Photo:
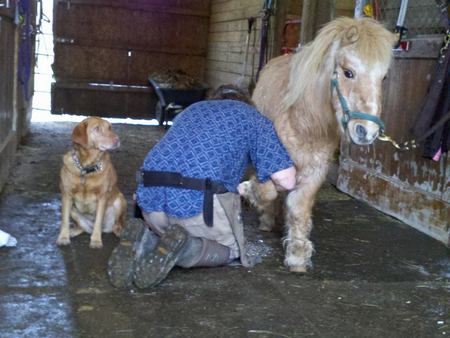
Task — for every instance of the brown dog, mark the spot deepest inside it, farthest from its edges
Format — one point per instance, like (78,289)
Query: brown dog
(88,184)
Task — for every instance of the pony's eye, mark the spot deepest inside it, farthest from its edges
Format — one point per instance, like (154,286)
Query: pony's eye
(348,73)
(96,128)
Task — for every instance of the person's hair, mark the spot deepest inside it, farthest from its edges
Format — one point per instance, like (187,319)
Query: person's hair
(231,92)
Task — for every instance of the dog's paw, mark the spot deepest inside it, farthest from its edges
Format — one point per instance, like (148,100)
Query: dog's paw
(63,240)
(96,244)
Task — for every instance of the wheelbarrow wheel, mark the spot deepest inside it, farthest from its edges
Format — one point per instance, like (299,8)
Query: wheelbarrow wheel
(160,113)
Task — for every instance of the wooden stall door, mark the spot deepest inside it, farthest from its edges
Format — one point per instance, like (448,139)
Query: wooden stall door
(106,49)
(8,83)
(402,183)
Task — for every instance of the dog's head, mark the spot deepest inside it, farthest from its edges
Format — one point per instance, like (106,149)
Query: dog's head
(95,133)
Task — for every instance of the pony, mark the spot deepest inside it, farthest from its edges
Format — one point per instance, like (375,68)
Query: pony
(330,89)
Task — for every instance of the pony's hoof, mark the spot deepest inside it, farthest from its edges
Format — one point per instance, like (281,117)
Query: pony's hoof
(266,227)
(298,269)
(244,189)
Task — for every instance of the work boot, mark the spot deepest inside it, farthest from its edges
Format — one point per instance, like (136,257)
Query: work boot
(176,247)
(153,266)
(122,261)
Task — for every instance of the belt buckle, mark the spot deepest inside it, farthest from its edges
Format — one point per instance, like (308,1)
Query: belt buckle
(179,179)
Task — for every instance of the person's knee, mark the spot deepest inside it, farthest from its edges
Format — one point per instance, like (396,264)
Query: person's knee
(157,221)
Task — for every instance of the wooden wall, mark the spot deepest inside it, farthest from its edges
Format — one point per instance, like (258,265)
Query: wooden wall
(119,43)
(15,109)
(228,34)
(402,184)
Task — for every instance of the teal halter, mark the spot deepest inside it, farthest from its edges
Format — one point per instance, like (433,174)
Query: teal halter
(349,115)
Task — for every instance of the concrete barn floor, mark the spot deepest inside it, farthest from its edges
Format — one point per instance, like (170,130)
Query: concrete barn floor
(373,276)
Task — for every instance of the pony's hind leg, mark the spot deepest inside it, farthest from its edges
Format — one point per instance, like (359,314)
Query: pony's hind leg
(262,196)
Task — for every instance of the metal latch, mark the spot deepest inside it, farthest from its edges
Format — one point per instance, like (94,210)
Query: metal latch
(6,4)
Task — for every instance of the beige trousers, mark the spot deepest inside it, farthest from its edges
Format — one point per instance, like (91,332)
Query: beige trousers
(221,231)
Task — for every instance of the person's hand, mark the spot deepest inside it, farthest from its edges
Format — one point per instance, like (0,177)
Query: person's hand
(284,179)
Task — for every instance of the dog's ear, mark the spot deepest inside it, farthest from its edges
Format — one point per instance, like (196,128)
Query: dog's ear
(79,134)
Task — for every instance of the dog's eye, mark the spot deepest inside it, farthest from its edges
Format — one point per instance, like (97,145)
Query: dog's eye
(348,74)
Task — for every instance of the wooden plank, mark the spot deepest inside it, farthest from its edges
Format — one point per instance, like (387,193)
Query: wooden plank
(14,108)
(421,48)
(236,14)
(90,64)
(130,29)
(234,26)
(227,67)
(236,37)
(421,210)
(96,64)
(7,68)
(216,78)
(7,151)
(344,8)
(185,7)
(88,100)
(232,57)
(446,179)
(233,47)
(178,50)
(234,5)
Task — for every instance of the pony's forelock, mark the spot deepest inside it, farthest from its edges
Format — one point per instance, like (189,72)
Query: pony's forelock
(370,40)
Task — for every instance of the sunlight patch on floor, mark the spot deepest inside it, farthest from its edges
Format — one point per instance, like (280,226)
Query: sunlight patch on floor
(47,116)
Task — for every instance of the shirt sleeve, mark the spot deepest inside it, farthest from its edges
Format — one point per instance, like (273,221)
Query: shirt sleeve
(267,153)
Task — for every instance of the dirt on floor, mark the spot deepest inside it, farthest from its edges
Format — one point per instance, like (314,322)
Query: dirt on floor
(373,276)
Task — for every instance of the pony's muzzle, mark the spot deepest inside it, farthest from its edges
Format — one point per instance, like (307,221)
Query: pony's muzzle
(363,132)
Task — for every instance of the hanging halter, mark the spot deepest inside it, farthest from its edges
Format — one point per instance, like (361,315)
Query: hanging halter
(350,115)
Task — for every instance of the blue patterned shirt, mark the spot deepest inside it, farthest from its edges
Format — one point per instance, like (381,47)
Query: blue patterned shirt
(216,140)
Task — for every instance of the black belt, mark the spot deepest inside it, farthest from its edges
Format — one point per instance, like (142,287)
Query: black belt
(176,180)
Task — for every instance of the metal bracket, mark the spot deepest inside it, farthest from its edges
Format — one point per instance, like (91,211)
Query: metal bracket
(6,4)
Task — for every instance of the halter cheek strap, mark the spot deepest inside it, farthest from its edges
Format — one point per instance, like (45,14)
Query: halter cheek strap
(348,114)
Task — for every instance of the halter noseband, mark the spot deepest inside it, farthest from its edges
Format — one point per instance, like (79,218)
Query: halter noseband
(348,114)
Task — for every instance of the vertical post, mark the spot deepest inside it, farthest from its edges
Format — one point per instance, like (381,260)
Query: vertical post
(308,21)
(279,18)
(315,14)
(359,8)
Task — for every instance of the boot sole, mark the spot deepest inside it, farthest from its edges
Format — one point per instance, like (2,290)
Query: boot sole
(122,261)
(152,267)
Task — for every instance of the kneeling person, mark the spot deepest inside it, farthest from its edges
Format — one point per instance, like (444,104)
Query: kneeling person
(188,194)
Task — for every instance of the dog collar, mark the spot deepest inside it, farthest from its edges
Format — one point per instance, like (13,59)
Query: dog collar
(98,166)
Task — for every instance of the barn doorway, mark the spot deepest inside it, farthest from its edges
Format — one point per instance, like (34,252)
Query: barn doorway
(44,76)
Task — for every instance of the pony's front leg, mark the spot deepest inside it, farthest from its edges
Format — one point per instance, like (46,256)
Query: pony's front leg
(299,248)
(262,196)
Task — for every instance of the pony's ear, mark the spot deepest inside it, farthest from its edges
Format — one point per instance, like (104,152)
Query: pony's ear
(351,35)
(79,134)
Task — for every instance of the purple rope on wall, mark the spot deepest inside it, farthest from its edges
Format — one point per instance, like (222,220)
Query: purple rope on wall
(23,13)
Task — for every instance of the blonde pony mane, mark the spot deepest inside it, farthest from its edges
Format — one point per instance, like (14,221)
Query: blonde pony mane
(312,67)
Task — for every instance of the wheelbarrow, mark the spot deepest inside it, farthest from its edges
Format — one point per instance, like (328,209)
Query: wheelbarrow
(172,101)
